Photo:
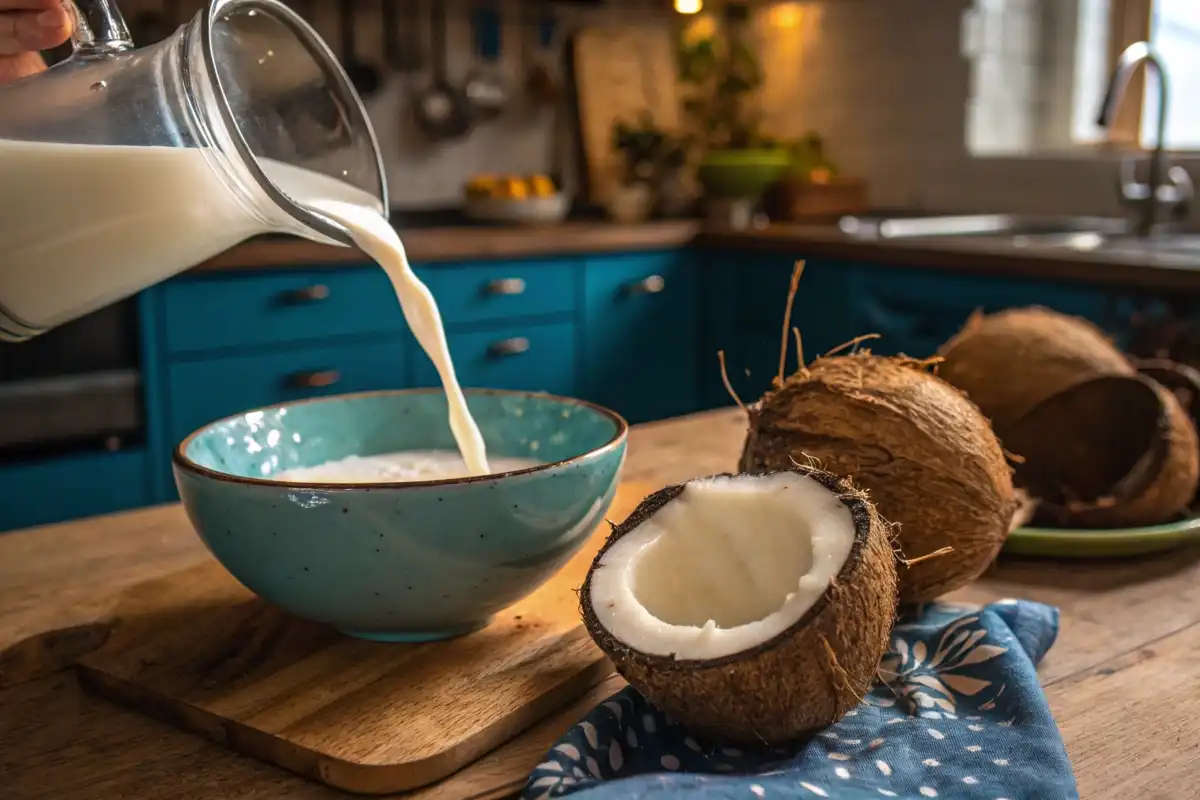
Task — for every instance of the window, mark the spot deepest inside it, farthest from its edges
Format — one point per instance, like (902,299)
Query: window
(1107,27)
(1175,33)
(1039,71)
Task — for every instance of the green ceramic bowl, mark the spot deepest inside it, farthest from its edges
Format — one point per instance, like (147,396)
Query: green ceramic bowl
(400,561)
(742,174)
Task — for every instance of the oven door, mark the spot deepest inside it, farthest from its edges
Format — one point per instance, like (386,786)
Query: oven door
(75,387)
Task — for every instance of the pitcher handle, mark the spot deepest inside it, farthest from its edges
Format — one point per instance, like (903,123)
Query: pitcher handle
(99,28)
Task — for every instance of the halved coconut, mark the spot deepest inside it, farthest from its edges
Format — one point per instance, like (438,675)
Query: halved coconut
(1181,380)
(751,608)
(1008,362)
(1112,452)
(928,458)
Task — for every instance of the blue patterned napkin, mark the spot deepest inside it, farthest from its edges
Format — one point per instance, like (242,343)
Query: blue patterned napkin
(963,717)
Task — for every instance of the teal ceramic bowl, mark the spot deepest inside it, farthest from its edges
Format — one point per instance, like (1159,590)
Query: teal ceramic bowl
(400,561)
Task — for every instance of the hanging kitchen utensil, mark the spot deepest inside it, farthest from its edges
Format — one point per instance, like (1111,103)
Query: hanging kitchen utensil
(442,110)
(363,76)
(541,82)
(485,86)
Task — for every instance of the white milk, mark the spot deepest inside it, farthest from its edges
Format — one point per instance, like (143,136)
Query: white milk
(82,226)
(407,465)
(376,237)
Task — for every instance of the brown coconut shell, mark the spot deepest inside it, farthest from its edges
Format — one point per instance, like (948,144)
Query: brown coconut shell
(788,687)
(1010,361)
(1183,381)
(923,451)
(1112,452)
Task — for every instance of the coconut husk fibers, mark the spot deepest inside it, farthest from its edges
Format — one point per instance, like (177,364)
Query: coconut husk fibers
(788,687)
(1008,362)
(924,453)
(1112,452)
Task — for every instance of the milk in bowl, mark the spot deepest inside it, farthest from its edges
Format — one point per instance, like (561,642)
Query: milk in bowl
(359,511)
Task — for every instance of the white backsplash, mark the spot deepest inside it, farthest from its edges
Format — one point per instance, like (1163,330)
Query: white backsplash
(886,82)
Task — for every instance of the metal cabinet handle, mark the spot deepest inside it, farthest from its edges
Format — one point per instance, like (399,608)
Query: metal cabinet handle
(649,285)
(506,286)
(309,294)
(316,379)
(509,347)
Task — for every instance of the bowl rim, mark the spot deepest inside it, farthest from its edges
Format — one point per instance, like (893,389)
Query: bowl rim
(181,461)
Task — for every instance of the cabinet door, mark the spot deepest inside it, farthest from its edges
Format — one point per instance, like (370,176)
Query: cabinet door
(502,290)
(743,306)
(641,334)
(199,392)
(527,356)
(69,487)
(914,311)
(224,311)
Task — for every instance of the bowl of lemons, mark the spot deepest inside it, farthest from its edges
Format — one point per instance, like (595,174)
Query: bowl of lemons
(515,199)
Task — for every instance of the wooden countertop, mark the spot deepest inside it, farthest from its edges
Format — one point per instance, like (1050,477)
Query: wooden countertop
(974,254)
(432,245)
(1120,679)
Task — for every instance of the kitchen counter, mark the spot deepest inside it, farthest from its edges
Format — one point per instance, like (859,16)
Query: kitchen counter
(997,255)
(466,243)
(1120,679)
(971,254)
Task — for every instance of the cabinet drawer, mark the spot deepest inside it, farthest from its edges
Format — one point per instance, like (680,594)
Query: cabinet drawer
(236,310)
(641,337)
(200,392)
(538,357)
(480,292)
(70,487)
(916,311)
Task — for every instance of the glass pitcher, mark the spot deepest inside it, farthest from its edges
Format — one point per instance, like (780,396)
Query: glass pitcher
(122,167)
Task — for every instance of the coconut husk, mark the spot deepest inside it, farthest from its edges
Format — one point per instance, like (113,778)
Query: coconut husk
(1112,452)
(1010,361)
(1182,381)
(794,684)
(924,453)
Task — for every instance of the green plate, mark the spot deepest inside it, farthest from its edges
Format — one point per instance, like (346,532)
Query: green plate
(1081,543)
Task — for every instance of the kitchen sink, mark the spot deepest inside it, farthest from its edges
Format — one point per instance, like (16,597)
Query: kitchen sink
(990,225)
(1100,235)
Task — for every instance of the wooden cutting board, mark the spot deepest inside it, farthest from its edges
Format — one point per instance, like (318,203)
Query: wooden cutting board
(621,72)
(200,651)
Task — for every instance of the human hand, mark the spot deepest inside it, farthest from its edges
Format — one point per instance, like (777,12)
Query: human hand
(26,28)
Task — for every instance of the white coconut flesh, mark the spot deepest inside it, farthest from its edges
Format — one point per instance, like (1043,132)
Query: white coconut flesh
(728,564)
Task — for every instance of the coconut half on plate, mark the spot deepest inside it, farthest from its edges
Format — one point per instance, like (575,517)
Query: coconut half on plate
(750,608)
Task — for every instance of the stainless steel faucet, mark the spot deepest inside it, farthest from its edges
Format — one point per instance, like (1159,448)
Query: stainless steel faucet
(1170,188)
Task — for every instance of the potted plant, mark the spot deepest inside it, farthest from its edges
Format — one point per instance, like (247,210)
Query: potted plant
(654,159)
(720,72)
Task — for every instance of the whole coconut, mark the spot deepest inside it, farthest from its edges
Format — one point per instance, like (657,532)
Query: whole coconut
(1010,361)
(925,454)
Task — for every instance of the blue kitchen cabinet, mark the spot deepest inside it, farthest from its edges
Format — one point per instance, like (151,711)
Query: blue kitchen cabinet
(915,310)
(473,293)
(236,310)
(641,333)
(745,298)
(81,485)
(529,356)
(204,390)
